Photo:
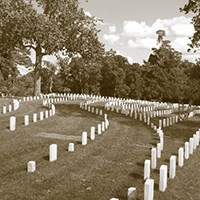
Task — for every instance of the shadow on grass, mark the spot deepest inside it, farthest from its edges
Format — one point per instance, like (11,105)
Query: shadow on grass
(122,197)
(65,110)
(156,171)
(153,143)
(156,186)
(140,164)
(46,157)
(136,175)
(166,160)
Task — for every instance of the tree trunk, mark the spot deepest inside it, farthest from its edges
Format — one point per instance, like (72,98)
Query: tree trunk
(51,84)
(37,71)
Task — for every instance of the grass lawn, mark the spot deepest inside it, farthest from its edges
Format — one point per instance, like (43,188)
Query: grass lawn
(103,169)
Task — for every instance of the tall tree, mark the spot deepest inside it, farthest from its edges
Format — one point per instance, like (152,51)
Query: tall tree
(59,26)
(113,82)
(161,73)
(84,76)
(134,80)
(193,6)
(48,76)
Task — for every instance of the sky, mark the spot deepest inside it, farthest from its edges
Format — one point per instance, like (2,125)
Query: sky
(129,26)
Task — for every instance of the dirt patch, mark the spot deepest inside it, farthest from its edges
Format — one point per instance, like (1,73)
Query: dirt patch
(59,136)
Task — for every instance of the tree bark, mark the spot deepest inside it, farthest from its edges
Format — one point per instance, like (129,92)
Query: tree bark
(37,71)
(51,84)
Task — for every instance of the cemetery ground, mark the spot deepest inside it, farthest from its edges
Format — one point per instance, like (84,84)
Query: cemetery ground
(104,168)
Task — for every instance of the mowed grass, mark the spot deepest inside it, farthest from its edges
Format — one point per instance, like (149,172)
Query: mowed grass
(102,169)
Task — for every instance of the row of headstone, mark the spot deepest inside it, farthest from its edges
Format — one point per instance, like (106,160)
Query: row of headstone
(162,123)
(6,109)
(43,114)
(101,127)
(53,154)
(183,153)
(131,107)
(31,166)
(132,192)
(31,98)
(14,106)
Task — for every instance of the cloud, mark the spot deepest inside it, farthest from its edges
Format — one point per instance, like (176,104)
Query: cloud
(177,26)
(140,37)
(147,43)
(191,57)
(111,38)
(112,29)
(180,44)
(133,28)
(182,29)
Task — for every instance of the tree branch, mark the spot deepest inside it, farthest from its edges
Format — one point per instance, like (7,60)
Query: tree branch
(29,46)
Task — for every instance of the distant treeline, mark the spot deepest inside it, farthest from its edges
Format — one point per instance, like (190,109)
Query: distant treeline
(163,77)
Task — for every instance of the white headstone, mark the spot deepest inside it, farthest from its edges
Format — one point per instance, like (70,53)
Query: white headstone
(187,150)
(53,152)
(148,121)
(71,147)
(84,138)
(162,143)
(147,169)
(172,167)
(41,115)
(198,137)
(16,104)
(53,109)
(149,189)
(164,122)
(9,108)
(92,133)
(99,129)
(163,178)
(140,116)
(191,142)
(105,116)
(180,157)
(106,124)
(100,112)
(132,193)
(103,126)
(35,117)
(4,109)
(153,158)
(50,113)
(46,114)
(160,123)
(12,123)
(26,120)
(31,166)
(158,150)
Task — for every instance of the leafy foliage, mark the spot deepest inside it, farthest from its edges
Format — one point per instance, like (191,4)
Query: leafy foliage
(193,6)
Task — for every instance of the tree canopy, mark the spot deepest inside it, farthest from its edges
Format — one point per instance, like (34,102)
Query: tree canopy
(60,26)
(193,6)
